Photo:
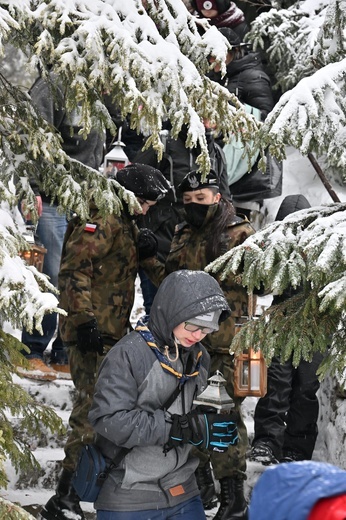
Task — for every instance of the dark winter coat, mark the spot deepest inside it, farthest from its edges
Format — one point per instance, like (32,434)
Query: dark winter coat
(51,106)
(131,389)
(188,251)
(245,77)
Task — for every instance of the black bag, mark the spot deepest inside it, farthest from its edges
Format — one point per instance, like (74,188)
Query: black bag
(258,185)
(91,472)
(92,468)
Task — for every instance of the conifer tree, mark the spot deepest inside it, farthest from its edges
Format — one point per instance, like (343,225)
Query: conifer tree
(152,61)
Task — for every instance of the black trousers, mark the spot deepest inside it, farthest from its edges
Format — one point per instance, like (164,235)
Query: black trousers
(286,417)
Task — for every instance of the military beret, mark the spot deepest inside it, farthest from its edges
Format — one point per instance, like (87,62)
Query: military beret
(193,181)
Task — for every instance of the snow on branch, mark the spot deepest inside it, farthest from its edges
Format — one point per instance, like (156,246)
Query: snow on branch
(305,256)
(312,116)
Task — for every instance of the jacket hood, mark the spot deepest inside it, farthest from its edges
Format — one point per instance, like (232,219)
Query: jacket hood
(181,296)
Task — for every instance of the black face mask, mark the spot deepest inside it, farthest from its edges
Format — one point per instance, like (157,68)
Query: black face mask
(195,214)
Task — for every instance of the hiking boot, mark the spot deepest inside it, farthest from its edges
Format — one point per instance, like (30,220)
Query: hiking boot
(233,505)
(262,452)
(64,505)
(206,486)
(62,370)
(292,456)
(37,369)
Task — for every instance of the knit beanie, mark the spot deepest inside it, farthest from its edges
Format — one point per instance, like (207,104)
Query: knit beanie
(144,181)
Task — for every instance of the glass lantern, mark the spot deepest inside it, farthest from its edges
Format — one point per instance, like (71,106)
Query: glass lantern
(34,255)
(116,158)
(250,369)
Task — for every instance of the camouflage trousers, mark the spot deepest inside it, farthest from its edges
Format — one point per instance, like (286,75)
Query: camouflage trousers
(232,463)
(84,369)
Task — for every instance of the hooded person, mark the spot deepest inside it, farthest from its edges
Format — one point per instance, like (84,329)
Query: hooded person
(99,265)
(210,229)
(137,377)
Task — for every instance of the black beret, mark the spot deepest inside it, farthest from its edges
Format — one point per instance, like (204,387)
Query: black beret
(193,181)
(144,181)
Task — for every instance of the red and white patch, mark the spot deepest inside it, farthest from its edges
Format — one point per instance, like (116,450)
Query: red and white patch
(91,228)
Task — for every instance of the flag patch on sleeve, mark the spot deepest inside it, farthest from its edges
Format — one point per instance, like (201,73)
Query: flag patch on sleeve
(91,228)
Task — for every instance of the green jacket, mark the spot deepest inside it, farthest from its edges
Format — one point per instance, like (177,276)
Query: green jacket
(98,269)
(188,251)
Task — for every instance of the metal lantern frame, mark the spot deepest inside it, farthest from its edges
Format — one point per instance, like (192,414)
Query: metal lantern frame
(34,256)
(250,368)
(116,158)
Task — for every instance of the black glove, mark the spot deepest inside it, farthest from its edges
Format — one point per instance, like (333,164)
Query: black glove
(185,429)
(89,338)
(208,430)
(147,244)
(221,430)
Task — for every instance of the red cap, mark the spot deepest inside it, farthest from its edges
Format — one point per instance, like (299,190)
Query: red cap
(331,508)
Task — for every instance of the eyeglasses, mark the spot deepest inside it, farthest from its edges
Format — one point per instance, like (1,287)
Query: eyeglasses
(194,328)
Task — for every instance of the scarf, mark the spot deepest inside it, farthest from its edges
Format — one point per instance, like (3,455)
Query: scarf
(230,18)
(165,363)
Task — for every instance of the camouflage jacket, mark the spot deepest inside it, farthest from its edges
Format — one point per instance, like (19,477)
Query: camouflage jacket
(99,264)
(188,251)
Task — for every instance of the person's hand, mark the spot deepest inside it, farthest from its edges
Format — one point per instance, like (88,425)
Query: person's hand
(185,429)
(89,338)
(214,431)
(221,430)
(147,244)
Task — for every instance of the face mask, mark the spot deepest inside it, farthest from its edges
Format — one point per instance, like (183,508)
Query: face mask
(195,214)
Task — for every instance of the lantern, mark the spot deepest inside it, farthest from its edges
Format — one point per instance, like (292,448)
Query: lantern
(250,370)
(35,254)
(116,158)
(215,395)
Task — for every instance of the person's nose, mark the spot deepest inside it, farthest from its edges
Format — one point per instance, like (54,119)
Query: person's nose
(197,334)
(145,208)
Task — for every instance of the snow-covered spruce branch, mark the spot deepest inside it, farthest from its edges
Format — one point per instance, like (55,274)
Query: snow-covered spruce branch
(304,252)
(152,63)
(288,37)
(312,116)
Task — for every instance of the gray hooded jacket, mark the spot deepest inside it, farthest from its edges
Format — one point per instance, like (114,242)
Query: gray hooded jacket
(131,390)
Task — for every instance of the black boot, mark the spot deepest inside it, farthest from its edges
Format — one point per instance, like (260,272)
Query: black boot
(233,505)
(64,502)
(206,486)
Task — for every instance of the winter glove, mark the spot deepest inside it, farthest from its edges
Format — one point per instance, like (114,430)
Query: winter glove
(147,244)
(221,430)
(185,429)
(89,338)
(207,430)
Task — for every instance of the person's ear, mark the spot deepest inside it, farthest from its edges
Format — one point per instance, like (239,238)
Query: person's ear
(217,198)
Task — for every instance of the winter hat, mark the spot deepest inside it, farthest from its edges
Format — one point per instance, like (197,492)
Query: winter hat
(144,181)
(230,36)
(331,508)
(210,320)
(220,6)
(193,181)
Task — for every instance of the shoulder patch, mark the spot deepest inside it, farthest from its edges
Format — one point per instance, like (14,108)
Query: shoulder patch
(90,228)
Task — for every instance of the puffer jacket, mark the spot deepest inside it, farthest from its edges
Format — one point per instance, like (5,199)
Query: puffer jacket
(130,391)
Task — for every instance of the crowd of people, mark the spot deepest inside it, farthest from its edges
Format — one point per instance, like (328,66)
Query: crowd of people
(124,375)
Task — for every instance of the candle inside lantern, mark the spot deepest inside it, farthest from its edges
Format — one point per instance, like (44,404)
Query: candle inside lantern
(255,370)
